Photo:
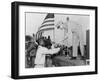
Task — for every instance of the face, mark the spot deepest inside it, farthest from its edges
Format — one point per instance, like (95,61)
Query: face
(41,42)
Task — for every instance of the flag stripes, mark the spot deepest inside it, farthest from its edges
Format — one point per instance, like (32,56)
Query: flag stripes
(47,21)
(48,24)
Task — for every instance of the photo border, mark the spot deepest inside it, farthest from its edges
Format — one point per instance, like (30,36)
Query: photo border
(15,39)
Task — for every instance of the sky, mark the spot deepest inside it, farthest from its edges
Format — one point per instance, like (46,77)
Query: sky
(34,21)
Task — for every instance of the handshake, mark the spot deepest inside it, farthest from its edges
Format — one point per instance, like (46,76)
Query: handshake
(54,46)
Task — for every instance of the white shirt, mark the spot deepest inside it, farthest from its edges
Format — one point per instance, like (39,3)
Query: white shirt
(41,52)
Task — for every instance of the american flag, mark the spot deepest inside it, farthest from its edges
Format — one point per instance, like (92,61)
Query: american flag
(48,24)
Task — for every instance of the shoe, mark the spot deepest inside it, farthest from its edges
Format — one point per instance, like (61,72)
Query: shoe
(73,58)
(83,58)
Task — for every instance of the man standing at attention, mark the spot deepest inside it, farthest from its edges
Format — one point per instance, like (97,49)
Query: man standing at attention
(74,36)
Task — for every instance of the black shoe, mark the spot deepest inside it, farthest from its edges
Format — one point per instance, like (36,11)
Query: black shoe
(83,58)
(73,58)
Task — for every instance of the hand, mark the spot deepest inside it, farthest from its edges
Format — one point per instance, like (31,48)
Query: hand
(55,45)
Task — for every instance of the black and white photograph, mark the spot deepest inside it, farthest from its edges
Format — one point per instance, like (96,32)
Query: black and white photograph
(56,40)
(51,40)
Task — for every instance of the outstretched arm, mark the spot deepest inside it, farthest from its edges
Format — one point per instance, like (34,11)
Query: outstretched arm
(52,51)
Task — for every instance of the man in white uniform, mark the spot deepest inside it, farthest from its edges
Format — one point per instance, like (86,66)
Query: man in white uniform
(74,36)
(41,53)
(67,33)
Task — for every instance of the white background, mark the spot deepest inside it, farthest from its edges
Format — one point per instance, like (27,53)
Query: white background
(5,41)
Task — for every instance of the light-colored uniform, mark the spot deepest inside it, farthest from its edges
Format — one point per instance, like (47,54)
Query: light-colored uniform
(73,35)
(40,55)
(67,35)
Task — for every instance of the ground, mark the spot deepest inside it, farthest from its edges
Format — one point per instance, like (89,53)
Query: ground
(65,61)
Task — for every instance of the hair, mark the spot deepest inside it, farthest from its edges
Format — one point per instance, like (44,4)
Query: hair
(28,38)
